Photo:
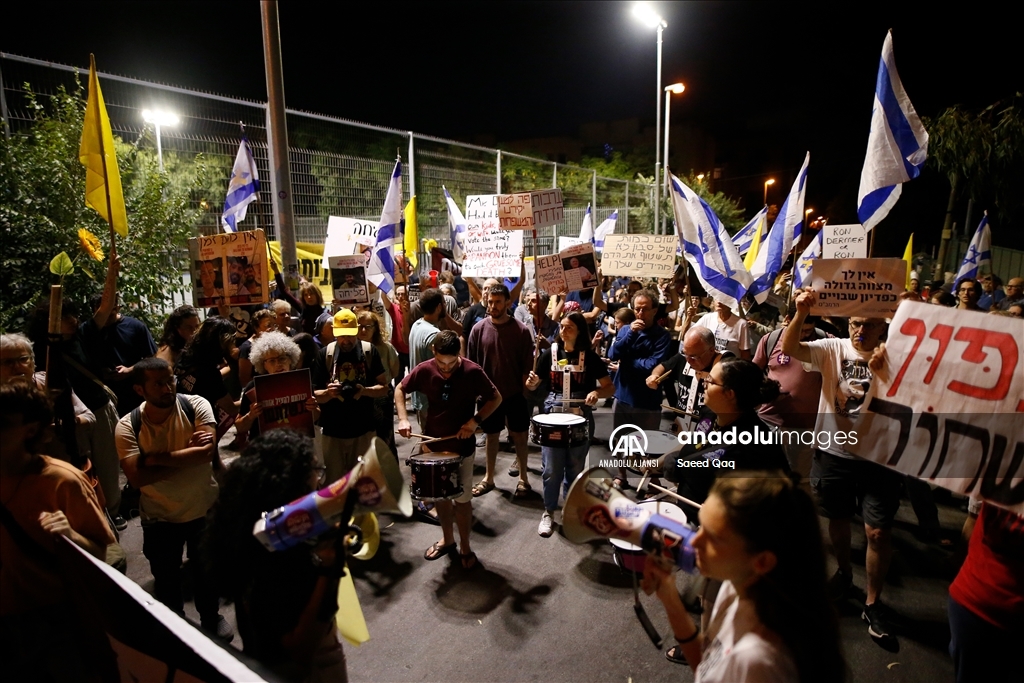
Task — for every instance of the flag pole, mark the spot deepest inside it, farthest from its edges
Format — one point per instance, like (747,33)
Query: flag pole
(537,316)
(103,155)
(871,244)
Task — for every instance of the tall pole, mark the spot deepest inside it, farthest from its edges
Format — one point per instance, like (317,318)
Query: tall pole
(497,179)
(668,118)
(280,175)
(657,137)
(159,149)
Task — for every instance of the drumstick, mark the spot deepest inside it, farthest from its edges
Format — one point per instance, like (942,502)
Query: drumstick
(438,438)
(675,495)
(660,378)
(681,412)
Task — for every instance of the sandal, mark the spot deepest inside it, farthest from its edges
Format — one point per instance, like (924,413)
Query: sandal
(675,655)
(469,560)
(438,550)
(482,488)
(522,490)
(423,513)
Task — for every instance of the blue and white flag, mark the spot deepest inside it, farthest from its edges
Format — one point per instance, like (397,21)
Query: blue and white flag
(381,269)
(243,188)
(979,253)
(802,272)
(606,228)
(587,227)
(785,234)
(456,227)
(708,248)
(745,237)
(897,144)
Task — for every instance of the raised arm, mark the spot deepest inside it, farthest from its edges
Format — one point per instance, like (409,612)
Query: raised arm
(109,289)
(791,344)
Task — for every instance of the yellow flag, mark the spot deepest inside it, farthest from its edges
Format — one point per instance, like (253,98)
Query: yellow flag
(755,245)
(908,256)
(412,234)
(102,179)
(349,619)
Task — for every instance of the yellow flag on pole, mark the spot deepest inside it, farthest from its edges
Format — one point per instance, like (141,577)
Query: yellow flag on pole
(411,242)
(908,256)
(102,179)
(755,245)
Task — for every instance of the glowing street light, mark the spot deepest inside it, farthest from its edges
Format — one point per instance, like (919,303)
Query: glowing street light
(770,181)
(675,88)
(649,18)
(159,119)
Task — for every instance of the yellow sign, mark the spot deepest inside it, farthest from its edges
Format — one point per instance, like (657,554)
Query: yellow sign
(310,257)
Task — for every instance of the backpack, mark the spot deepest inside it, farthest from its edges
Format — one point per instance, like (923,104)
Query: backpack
(183,402)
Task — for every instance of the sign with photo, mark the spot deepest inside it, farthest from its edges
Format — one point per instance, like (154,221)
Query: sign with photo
(347,236)
(229,268)
(283,398)
(571,269)
(348,280)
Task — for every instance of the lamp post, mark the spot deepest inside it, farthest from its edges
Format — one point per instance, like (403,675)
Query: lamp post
(159,119)
(770,181)
(648,17)
(676,88)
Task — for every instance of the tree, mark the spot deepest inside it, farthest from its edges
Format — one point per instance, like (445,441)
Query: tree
(42,206)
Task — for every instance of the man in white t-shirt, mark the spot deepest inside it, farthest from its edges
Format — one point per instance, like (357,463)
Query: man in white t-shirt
(838,478)
(731,333)
(166,452)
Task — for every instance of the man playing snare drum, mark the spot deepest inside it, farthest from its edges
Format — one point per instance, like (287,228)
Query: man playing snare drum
(452,386)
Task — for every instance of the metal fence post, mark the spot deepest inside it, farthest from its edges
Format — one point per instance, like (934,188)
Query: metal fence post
(593,198)
(626,212)
(498,178)
(412,168)
(3,107)
(554,175)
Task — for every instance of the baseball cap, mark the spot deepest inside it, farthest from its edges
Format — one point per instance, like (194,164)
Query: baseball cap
(345,324)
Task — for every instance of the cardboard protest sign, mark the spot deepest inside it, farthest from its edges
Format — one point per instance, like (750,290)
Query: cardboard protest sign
(231,267)
(571,269)
(844,241)
(348,280)
(283,398)
(867,287)
(949,405)
(490,251)
(530,210)
(639,256)
(564,242)
(345,235)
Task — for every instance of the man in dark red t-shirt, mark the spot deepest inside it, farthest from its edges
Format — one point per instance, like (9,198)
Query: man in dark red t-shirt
(452,386)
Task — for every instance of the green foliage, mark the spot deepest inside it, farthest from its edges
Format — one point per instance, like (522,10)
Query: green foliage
(726,208)
(42,206)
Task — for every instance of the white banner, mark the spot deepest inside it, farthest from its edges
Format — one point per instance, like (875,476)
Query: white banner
(345,234)
(868,287)
(948,406)
(640,256)
(844,241)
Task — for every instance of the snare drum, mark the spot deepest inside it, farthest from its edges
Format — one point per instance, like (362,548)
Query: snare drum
(632,558)
(559,430)
(434,476)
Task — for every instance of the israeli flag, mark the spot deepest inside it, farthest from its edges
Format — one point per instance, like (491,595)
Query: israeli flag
(456,227)
(606,228)
(587,227)
(784,235)
(897,144)
(802,272)
(381,269)
(243,188)
(745,237)
(979,253)
(707,247)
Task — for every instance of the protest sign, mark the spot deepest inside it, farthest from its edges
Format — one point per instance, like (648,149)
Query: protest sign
(283,396)
(948,406)
(867,287)
(344,235)
(530,210)
(312,264)
(490,251)
(530,268)
(640,256)
(571,269)
(844,241)
(564,242)
(348,280)
(230,266)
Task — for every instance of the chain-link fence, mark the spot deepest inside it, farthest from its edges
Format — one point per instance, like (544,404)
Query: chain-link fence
(338,167)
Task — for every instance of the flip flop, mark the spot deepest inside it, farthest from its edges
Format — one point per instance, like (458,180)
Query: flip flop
(675,655)
(438,550)
(482,488)
(471,559)
(522,490)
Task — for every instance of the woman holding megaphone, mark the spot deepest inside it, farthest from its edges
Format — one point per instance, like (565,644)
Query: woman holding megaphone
(772,620)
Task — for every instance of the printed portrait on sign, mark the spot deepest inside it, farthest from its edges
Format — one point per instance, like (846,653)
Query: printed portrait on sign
(210,287)
(583,267)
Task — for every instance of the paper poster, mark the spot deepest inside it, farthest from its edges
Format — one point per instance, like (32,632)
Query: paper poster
(530,267)
(571,269)
(868,288)
(530,210)
(490,251)
(348,280)
(283,398)
(639,256)
(564,242)
(230,266)
(346,236)
(844,241)
(948,406)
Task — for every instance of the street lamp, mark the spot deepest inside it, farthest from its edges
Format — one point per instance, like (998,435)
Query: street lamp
(676,88)
(649,18)
(159,118)
(770,181)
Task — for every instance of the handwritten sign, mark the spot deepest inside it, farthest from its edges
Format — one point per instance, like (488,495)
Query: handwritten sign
(949,405)
(229,268)
(639,256)
(530,210)
(571,269)
(864,287)
(564,242)
(844,241)
(344,235)
(492,252)
(348,280)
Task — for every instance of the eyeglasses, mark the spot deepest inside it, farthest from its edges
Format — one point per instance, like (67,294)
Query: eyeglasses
(698,356)
(863,324)
(708,380)
(367,327)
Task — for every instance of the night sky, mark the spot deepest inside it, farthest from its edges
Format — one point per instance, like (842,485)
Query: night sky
(768,80)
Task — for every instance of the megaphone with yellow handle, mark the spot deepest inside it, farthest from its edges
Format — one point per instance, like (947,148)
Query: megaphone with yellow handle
(370,537)
(375,482)
(596,509)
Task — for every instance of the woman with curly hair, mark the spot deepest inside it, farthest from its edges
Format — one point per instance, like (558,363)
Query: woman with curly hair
(272,353)
(198,368)
(179,328)
(285,601)
(370,331)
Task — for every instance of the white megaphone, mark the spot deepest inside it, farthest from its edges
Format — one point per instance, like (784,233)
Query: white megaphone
(376,483)
(595,509)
